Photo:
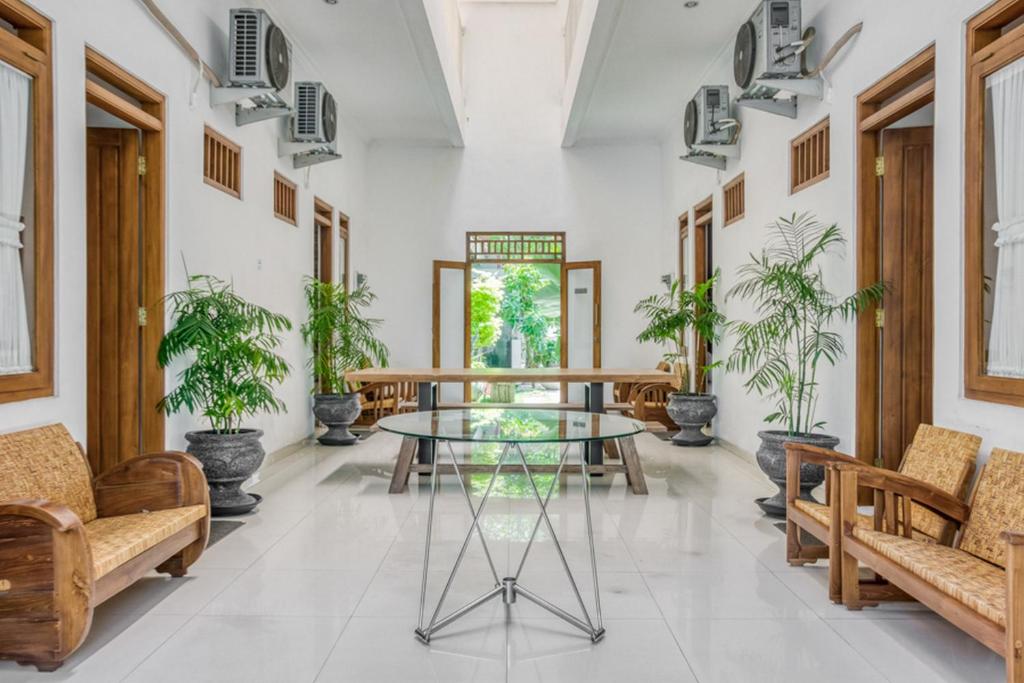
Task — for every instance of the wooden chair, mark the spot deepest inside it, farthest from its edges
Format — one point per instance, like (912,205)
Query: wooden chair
(648,402)
(68,542)
(978,583)
(381,399)
(940,457)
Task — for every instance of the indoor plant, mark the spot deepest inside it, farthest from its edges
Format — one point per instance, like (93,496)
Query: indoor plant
(341,338)
(791,337)
(233,370)
(670,317)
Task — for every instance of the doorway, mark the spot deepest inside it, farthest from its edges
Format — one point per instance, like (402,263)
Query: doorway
(323,240)
(894,245)
(125,256)
(703,260)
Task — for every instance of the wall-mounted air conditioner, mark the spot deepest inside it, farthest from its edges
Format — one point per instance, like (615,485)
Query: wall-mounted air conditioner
(316,113)
(259,66)
(709,129)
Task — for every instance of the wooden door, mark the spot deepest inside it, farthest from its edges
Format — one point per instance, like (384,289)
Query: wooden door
(323,241)
(906,321)
(450,315)
(703,258)
(114,303)
(580,315)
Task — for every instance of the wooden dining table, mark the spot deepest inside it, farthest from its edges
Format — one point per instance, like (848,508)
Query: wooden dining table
(595,379)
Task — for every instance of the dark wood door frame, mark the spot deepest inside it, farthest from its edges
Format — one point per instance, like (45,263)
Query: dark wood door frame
(703,219)
(564,314)
(343,233)
(149,116)
(908,88)
(323,224)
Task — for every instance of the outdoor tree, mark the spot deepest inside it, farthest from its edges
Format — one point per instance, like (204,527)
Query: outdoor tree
(485,321)
(521,312)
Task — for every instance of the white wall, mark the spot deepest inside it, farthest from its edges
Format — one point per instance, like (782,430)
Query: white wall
(892,33)
(211,231)
(512,175)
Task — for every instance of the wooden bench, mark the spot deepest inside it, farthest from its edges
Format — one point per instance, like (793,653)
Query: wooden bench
(941,457)
(978,583)
(68,542)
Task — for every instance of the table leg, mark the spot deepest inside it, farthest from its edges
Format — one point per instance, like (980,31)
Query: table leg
(594,403)
(426,400)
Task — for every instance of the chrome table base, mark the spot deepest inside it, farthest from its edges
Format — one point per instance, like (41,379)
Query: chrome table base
(509,588)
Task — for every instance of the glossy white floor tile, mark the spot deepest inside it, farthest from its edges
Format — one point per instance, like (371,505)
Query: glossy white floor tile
(323,583)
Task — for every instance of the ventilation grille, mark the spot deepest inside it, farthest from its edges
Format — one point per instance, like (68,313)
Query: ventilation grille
(222,163)
(247,44)
(284,199)
(515,247)
(305,109)
(735,200)
(810,157)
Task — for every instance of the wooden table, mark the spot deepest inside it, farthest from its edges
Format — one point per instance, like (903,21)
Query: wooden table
(594,378)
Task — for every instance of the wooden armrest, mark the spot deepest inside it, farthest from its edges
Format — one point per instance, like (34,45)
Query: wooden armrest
(639,390)
(1013,537)
(817,455)
(56,516)
(156,481)
(938,501)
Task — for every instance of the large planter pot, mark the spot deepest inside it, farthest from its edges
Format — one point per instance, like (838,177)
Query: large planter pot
(771,457)
(228,460)
(337,412)
(691,412)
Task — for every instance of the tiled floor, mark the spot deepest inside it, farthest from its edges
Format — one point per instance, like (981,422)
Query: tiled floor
(322,584)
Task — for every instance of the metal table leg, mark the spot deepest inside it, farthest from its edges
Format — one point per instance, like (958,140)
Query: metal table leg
(594,403)
(509,588)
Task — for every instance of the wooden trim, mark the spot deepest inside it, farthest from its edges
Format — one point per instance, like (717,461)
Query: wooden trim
(702,235)
(116,105)
(30,51)
(911,101)
(810,156)
(872,100)
(436,307)
(285,199)
(564,313)
(152,234)
(344,225)
(988,50)
(684,234)
(734,195)
(222,163)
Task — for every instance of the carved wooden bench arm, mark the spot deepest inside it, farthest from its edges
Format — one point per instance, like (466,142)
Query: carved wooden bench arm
(156,481)
(46,581)
(888,486)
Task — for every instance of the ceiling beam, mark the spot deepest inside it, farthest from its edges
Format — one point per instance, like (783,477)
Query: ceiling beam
(593,43)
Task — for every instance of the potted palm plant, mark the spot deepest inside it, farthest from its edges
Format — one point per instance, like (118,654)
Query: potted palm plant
(671,316)
(233,370)
(341,338)
(790,339)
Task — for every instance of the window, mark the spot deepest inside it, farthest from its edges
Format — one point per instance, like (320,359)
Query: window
(26,204)
(735,202)
(222,163)
(515,247)
(994,201)
(284,199)
(810,157)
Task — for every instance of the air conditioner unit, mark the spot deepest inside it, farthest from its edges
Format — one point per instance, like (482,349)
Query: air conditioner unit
(768,46)
(708,119)
(316,114)
(260,56)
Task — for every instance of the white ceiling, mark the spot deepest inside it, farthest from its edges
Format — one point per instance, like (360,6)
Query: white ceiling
(364,53)
(653,64)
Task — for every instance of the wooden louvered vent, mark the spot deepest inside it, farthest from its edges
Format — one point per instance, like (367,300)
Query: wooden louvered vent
(222,163)
(810,156)
(735,200)
(285,192)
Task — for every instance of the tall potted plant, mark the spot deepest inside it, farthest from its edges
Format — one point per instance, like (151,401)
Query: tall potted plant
(341,338)
(234,368)
(790,339)
(671,316)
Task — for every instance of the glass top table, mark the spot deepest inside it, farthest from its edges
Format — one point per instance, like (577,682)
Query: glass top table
(515,428)
(511,425)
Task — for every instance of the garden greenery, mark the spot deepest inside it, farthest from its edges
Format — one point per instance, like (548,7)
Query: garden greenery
(783,348)
(232,344)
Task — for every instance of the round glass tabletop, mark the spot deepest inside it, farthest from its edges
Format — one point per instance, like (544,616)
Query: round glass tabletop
(511,425)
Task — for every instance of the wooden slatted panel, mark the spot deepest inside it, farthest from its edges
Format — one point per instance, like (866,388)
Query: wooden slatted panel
(515,247)
(735,199)
(810,157)
(222,163)
(285,192)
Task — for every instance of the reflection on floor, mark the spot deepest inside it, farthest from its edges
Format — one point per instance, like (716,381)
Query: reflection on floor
(322,584)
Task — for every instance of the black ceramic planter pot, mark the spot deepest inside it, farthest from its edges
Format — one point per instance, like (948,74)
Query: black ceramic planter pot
(771,457)
(691,412)
(228,459)
(337,412)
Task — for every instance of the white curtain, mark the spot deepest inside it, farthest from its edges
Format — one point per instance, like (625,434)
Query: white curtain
(1006,343)
(15,343)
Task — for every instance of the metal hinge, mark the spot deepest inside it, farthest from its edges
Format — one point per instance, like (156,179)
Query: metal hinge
(142,165)
(879,317)
(143,316)
(879,166)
